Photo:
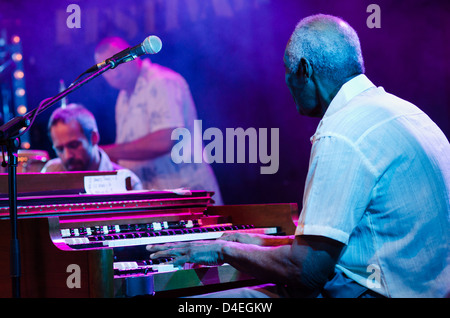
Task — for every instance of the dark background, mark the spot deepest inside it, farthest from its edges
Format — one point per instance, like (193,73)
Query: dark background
(230,52)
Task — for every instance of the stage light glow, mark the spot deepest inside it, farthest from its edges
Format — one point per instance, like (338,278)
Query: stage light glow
(20,92)
(22,109)
(17,57)
(15,39)
(26,145)
(18,75)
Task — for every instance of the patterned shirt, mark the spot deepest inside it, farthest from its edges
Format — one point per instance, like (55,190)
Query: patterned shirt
(161,100)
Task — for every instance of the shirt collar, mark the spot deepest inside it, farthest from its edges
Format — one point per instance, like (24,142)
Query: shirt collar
(105,162)
(350,89)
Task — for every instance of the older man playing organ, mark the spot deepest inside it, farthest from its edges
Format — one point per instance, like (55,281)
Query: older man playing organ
(375,217)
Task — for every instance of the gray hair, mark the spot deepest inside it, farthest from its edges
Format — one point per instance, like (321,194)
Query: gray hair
(329,43)
(74,112)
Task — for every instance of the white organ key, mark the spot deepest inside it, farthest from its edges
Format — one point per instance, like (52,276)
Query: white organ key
(162,268)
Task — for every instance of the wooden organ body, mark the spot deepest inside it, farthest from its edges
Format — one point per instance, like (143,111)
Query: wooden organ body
(74,244)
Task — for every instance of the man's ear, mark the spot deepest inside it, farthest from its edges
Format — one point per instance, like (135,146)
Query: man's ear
(305,68)
(95,137)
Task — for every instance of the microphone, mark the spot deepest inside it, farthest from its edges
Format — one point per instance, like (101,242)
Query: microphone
(151,45)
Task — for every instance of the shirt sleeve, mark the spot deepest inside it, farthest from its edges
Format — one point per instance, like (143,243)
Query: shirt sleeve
(337,191)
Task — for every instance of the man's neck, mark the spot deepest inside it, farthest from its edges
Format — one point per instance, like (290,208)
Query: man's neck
(328,90)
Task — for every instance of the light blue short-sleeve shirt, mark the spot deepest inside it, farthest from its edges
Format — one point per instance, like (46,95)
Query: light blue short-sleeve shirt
(379,181)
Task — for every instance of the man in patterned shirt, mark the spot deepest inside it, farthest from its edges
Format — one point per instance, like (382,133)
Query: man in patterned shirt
(152,102)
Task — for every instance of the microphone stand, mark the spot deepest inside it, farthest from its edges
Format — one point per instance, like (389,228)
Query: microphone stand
(10,139)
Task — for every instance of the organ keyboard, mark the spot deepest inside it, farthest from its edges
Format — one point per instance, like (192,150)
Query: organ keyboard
(93,245)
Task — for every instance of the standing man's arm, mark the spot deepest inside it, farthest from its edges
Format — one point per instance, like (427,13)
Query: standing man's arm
(150,146)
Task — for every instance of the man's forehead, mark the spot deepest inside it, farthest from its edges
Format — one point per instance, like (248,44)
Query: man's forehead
(72,126)
(109,49)
(116,45)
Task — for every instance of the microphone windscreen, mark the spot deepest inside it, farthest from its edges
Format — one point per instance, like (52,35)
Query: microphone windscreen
(152,44)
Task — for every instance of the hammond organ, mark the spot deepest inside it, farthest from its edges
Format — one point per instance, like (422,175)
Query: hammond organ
(75,244)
